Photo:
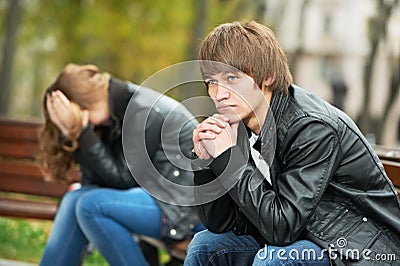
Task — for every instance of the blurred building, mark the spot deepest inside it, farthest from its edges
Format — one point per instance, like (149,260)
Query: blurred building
(327,41)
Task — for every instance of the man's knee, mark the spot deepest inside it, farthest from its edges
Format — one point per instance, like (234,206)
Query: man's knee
(202,247)
(208,248)
(302,252)
(204,241)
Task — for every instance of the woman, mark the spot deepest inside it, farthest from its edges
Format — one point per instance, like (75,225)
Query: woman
(84,114)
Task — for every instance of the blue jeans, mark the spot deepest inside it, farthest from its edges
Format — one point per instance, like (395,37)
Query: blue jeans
(105,217)
(208,248)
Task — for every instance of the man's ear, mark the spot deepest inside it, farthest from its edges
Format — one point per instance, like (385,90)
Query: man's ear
(268,81)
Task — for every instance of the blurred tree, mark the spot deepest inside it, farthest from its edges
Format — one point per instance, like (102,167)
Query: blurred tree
(7,62)
(299,51)
(377,35)
(129,39)
(199,25)
(207,14)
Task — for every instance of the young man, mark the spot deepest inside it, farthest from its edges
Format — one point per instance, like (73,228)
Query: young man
(303,186)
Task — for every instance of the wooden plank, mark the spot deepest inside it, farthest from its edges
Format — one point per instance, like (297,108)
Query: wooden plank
(18,138)
(20,168)
(28,209)
(392,169)
(18,130)
(388,153)
(20,149)
(32,186)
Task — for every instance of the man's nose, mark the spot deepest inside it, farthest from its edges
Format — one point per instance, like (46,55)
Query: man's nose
(221,92)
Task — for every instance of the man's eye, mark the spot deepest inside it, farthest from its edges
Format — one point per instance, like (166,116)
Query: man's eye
(211,82)
(232,78)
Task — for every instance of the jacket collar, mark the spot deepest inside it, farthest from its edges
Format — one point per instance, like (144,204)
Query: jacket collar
(266,142)
(278,105)
(119,97)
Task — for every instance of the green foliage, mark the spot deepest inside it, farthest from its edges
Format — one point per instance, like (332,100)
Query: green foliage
(119,36)
(25,240)
(129,39)
(21,241)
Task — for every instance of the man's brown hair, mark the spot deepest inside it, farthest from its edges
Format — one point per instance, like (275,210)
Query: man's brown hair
(249,47)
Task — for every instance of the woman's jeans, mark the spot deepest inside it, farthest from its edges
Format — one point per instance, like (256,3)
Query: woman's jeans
(208,248)
(105,217)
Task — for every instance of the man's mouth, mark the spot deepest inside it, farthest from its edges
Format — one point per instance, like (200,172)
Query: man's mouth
(224,107)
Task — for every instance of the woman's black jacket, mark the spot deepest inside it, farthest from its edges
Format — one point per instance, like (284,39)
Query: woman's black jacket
(107,157)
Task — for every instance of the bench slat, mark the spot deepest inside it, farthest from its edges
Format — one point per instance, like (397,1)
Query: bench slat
(15,149)
(388,153)
(32,186)
(20,168)
(18,130)
(28,209)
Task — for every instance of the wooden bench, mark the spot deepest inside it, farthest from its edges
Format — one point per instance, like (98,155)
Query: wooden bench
(23,191)
(390,158)
(25,194)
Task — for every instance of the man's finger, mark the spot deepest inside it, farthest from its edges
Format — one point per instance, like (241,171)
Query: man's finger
(203,154)
(220,117)
(209,127)
(207,135)
(216,120)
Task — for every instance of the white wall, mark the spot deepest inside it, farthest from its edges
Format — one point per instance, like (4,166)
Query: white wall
(344,45)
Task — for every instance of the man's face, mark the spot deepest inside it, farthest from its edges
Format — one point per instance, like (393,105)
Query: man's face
(235,95)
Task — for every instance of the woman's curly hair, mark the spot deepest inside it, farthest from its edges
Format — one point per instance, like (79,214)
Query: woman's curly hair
(56,162)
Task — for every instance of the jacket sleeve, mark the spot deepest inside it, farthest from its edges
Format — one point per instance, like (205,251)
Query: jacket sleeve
(100,164)
(308,155)
(109,168)
(218,215)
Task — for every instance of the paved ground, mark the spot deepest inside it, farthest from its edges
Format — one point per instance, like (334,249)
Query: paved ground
(4,262)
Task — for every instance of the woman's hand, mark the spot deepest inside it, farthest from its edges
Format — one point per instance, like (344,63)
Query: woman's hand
(66,115)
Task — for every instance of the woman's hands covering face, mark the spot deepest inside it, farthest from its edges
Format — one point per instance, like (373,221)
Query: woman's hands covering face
(66,115)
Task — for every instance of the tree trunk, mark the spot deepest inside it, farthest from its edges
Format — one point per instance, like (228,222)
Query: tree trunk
(378,30)
(365,120)
(12,24)
(300,40)
(392,98)
(199,27)
(188,91)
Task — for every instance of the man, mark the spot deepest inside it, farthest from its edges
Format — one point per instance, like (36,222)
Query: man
(303,186)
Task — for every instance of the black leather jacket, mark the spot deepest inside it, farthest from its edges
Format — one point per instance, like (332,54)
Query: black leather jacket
(327,184)
(101,152)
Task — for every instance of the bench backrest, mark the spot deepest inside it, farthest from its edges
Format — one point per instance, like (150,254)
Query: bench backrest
(18,150)
(390,158)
